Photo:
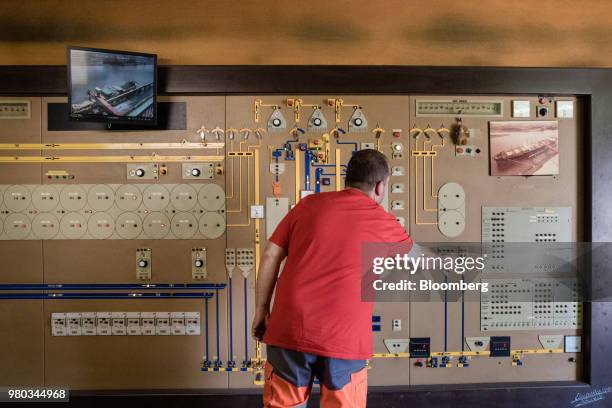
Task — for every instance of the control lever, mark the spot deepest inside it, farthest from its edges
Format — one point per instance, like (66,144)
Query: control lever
(202,131)
(218,132)
(259,132)
(245,132)
(231,133)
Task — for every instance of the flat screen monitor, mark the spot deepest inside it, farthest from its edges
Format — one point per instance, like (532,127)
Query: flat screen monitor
(112,86)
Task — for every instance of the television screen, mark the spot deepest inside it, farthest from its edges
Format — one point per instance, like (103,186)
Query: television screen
(112,86)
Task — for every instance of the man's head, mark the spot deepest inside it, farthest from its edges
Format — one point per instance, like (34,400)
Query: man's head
(368,171)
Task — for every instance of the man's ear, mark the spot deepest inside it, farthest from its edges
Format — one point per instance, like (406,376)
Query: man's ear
(379,188)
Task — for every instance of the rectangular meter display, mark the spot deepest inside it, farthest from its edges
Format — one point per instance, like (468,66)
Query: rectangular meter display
(459,108)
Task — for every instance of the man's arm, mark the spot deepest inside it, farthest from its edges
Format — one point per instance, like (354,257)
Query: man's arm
(266,280)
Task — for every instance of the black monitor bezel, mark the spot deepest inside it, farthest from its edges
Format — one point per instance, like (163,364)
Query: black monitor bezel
(105,119)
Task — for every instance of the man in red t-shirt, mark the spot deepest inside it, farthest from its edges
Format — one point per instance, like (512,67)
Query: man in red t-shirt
(319,326)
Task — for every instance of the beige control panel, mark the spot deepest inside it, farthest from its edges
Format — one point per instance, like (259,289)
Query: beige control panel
(113,211)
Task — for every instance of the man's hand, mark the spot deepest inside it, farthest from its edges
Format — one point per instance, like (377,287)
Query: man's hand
(259,323)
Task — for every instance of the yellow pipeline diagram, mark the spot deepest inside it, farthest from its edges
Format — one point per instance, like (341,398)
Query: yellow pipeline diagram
(153,157)
(426,151)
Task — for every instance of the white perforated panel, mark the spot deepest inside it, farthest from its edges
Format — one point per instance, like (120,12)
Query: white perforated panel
(530,304)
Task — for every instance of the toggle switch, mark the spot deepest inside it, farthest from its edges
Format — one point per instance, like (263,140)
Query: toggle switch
(396,325)
(397,205)
(397,188)
(397,171)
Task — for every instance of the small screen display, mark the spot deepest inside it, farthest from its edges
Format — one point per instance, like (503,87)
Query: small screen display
(112,86)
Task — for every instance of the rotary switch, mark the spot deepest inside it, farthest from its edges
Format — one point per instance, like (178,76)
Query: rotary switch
(139,172)
(358,121)
(143,263)
(317,121)
(198,263)
(276,122)
(195,172)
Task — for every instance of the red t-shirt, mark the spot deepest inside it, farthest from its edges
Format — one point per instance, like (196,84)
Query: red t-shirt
(318,306)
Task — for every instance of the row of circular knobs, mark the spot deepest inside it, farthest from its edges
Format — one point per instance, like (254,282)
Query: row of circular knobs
(143,263)
(140,172)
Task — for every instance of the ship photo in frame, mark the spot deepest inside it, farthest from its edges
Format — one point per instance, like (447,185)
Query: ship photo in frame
(524,148)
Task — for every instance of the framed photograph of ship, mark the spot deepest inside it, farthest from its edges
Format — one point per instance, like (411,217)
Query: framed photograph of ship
(112,86)
(524,148)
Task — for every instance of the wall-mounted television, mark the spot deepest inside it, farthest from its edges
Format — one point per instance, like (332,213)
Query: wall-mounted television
(112,86)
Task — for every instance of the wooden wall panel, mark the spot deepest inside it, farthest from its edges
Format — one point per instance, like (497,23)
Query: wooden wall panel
(439,32)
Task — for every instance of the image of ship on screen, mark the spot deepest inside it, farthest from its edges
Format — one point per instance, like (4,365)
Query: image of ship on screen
(106,86)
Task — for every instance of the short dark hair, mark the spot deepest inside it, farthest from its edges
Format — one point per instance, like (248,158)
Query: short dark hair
(366,168)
